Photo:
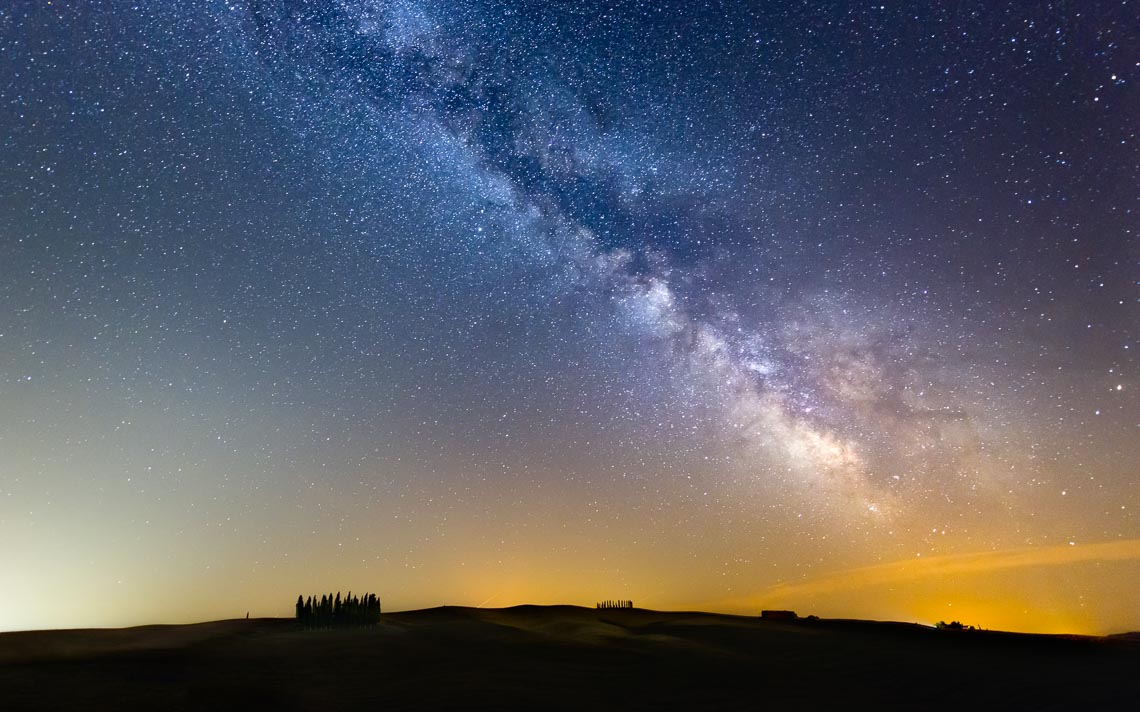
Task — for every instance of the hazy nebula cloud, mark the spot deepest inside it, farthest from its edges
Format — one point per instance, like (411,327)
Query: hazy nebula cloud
(538,156)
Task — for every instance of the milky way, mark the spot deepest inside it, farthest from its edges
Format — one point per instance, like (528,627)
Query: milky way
(470,302)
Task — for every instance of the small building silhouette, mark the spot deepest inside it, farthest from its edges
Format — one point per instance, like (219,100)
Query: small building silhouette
(779,615)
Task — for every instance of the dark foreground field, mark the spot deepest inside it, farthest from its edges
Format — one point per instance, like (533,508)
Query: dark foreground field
(566,658)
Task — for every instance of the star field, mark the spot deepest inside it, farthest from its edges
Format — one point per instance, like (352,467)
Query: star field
(492,303)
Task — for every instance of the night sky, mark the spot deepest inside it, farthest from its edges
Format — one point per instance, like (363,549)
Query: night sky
(823,306)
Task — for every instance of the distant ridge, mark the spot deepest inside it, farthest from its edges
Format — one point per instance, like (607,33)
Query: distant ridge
(208,628)
(562,658)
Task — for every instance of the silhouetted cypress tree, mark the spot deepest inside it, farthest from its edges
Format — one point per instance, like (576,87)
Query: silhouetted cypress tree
(334,610)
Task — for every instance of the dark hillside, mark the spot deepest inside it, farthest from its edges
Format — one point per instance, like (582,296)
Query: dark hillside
(563,658)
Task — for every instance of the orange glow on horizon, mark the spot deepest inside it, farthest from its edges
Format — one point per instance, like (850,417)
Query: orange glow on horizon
(1038,590)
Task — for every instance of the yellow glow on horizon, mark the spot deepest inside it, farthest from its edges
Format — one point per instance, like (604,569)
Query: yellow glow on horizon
(1033,589)
(1057,589)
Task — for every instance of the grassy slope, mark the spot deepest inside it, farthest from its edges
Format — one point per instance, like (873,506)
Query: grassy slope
(561,657)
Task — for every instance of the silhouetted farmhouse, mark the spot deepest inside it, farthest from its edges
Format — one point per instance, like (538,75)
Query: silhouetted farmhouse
(779,615)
